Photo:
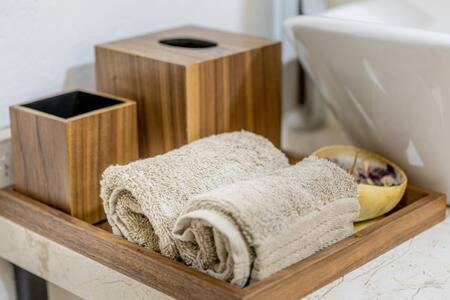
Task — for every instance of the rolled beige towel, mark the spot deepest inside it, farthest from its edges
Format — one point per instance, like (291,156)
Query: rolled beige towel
(143,199)
(248,230)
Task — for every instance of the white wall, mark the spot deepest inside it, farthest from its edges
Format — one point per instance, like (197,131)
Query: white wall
(47,45)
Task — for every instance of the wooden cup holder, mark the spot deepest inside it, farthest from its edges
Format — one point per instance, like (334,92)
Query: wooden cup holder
(62,144)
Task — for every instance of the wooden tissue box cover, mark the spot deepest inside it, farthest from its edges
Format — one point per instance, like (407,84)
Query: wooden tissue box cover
(62,144)
(187,93)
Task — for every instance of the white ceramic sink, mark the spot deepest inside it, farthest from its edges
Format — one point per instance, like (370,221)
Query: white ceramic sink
(383,67)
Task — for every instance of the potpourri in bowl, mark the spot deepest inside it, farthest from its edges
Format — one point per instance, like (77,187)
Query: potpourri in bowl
(371,172)
(381,183)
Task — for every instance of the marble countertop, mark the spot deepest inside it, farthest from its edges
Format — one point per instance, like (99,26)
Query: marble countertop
(417,269)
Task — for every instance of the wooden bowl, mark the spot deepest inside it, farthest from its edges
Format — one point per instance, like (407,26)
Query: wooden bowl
(374,200)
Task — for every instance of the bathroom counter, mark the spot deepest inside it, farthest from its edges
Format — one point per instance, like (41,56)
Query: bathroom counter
(417,269)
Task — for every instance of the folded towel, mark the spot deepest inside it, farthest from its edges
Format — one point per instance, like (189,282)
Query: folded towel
(248,230)
(143,199)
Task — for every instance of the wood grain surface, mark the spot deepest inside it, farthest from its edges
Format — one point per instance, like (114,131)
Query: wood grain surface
(183,94)
(39,154)
(60,161)
(419,210)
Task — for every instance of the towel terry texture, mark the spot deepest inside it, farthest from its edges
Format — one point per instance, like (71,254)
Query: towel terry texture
(245,231)
(143,199)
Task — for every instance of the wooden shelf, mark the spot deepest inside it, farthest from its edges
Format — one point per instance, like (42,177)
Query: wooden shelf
(419,210)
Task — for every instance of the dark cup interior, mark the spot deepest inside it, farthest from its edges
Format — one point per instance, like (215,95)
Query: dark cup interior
(186,42)
(72,104)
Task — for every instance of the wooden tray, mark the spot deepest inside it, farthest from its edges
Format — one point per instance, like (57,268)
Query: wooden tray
(419,210)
